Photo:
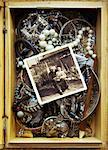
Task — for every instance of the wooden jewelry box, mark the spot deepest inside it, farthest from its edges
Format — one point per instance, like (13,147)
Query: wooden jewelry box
(9,9)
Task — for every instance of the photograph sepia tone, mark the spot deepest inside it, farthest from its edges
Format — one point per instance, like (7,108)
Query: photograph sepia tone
(55,74)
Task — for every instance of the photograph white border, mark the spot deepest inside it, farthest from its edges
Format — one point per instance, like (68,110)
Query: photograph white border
(41,55)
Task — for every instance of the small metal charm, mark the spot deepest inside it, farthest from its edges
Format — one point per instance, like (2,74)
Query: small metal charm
(53,127)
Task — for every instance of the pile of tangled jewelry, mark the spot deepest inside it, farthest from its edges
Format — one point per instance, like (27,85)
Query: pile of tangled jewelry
(39,32)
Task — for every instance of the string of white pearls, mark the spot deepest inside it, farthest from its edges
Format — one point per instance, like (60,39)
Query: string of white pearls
(20,114)
(20,64)
(89,44)
(47,38)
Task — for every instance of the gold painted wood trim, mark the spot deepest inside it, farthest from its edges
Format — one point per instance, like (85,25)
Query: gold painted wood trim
(53,4)
(104,75)
(84,143)
(1,4)
(10,75)
(55,143)
(1,77)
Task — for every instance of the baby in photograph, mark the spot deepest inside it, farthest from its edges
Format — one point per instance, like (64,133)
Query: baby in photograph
(58,78)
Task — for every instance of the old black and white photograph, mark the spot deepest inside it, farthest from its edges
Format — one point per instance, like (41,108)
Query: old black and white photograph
(55,74)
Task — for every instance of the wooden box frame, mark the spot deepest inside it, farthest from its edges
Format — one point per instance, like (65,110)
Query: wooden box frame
(1,76)
(7,49)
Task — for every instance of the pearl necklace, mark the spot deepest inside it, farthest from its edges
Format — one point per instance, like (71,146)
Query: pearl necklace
(48,45)
(89,45)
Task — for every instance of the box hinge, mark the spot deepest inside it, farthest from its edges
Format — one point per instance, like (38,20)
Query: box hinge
(4,122)
(4,30)
(4,128)
(4,18)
